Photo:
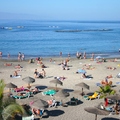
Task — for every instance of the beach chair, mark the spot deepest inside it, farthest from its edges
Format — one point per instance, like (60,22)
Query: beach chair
(73,101)
(52,103)
(94,96)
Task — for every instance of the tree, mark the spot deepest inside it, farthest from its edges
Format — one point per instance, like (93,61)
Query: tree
(8,106)
(106,89)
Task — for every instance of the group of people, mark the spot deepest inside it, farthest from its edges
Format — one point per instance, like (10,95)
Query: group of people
(64,64)
(21,56)
(41,74)
(114,108)
(79,55)
(39,62)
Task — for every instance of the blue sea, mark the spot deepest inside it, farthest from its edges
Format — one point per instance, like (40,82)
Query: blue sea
(36,38)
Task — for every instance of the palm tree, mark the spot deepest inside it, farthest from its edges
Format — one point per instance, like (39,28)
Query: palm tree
(104,90)
(8,107)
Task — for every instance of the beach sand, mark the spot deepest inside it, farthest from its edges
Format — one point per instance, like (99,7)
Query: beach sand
(73,112)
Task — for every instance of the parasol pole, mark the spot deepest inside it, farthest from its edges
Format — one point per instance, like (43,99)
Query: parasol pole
(95,116)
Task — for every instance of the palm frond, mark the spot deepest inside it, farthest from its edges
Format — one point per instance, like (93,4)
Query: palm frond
(2,86)
(11,110)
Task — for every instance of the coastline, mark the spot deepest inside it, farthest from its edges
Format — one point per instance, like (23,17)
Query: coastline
(27,57)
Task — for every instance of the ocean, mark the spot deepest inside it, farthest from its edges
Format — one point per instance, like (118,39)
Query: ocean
(36,38)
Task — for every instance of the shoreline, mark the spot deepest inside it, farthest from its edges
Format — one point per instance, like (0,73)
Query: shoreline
(27,57)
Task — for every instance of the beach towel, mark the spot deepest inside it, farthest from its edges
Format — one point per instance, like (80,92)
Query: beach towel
(16,76)
(98,84)
(117,82)
(87,78)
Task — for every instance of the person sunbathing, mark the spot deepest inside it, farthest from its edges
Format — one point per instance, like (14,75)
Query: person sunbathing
(60,78)
(111,68)
(43,73)
(114,60)
(39,62)
(83,75)
(35,90)
(105,82)
(89,66)
(110,76)
(37,112)
(15,73)
(37,74)
(52,103)
(8,64)
(43,66)
(18,66)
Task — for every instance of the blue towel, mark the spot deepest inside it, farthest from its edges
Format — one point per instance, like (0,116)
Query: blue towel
(98,84)
(117,82)
(16,76)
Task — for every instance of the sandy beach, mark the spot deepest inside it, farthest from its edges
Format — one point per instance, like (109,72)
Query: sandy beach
(73,112)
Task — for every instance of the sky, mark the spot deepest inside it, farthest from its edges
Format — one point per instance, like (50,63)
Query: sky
(60,9)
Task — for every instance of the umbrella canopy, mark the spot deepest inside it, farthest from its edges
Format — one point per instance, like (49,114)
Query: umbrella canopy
(114,97)
(81,71)
(96,111)
(62,94)
(83,85)
(29,80)
(11,85)
(56,81)
(98,57)
(39,103)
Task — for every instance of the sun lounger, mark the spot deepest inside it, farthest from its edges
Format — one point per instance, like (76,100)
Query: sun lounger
(94,96)
(24,95)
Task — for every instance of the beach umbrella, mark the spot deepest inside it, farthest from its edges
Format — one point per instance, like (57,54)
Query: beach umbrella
(56,82)
(96,111)
(39,103)
(114,97)
(62,94)
(83,85)
(11,85)
(110,118)
(29,80)
(98,57)
(81,71)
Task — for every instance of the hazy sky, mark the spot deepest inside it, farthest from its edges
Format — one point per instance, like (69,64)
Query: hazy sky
(60,9)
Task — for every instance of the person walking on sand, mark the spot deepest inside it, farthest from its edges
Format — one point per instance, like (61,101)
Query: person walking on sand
(23,57)
(19,56)
(60,54)
(0,54)
(84,55)
(8,55)
(92,56)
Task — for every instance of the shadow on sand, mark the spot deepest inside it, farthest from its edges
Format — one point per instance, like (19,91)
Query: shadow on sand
(41,87)
(68,90)
(55,112)
(109,118)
